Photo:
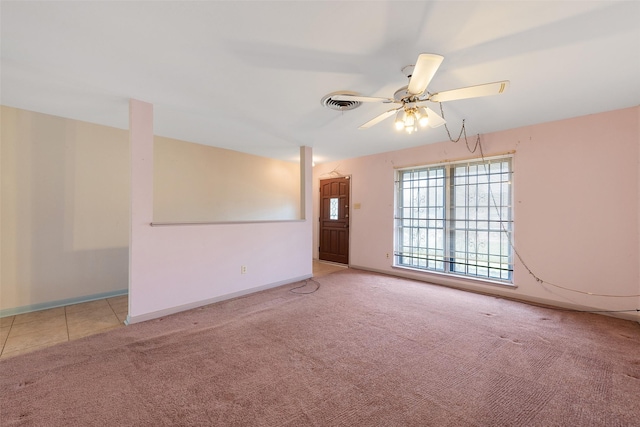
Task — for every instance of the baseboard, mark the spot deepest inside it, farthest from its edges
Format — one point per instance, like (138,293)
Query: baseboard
(450,282)
(173,310)
(60,303)
(337,264)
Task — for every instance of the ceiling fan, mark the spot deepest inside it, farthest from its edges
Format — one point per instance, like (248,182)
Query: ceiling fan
(412,113)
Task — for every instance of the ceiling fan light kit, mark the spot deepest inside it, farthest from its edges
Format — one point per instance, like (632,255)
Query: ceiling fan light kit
(400,116)
(412,114)
(409,119)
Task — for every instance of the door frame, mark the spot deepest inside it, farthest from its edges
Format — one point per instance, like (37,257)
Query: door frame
(319,214)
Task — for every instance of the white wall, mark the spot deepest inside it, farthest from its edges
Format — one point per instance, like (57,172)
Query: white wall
(576,193)
(65,213)
(173,268)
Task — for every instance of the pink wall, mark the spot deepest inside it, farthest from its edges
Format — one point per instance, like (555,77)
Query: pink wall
(173,268)
(576,208)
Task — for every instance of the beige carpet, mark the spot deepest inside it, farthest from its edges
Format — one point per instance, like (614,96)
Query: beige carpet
(363,350)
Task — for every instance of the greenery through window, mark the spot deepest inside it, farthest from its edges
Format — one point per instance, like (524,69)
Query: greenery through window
(456,218)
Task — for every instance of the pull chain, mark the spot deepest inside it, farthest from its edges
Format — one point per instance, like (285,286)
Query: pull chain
(463,131)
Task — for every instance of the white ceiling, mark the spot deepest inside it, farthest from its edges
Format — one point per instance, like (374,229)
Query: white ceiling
(249,76)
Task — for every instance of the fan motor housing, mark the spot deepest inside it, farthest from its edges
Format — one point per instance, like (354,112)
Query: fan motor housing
(334,104)
(402,94)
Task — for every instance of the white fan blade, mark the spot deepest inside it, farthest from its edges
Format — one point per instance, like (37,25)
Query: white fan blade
(345,97)
(471,92)
(379,118)
(435,119)
(423,72)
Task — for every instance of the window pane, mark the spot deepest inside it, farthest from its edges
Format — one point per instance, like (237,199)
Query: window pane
(486,254)
(333,208)
(423,205)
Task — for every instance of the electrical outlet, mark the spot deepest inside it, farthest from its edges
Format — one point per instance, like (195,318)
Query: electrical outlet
(387,256)
(243,269)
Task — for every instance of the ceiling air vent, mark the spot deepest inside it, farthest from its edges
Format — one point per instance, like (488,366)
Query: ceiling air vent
(333,104)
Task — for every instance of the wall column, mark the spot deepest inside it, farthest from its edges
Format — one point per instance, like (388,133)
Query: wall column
(638,211)
(141,213)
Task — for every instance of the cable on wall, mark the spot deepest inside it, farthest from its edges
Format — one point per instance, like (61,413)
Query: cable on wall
(478,145)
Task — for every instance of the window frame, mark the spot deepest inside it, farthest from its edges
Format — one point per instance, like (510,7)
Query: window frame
(496,272)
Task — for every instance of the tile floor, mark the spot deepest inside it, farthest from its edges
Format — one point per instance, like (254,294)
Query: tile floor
(31,331)
(27,332)
(322,268)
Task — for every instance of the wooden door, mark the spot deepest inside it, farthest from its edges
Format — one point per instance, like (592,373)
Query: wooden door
(334,220)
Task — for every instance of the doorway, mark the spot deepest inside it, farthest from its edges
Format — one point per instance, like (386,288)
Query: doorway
(334,220)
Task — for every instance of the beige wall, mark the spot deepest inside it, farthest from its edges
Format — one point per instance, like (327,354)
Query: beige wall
(194,183)
(65,209)
(178,267)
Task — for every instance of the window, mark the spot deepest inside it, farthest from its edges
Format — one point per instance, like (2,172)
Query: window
(456,218)
(333,208)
